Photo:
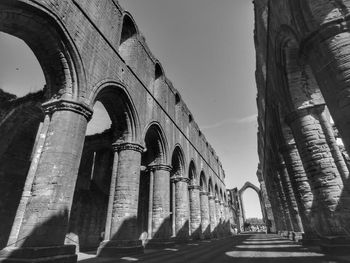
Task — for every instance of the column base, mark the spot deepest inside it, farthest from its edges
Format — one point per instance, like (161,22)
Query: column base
(115,248)
(57,254)
(336,245)
(160,243)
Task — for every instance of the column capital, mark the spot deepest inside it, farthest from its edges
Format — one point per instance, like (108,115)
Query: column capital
(222,202)
(296,114)
(217,201)
(157,167)
(178,178)
(118,147)
(204,193)
(67,105)
(194,187)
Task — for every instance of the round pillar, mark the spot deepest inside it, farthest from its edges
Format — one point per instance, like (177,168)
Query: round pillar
(328,217)
(212,213)
(181,211)
(300,184)
(41,225)
(121,234)
(205,219)
(161,225)
(195,212)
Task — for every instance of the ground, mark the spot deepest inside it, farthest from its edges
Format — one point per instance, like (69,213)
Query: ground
(247,247)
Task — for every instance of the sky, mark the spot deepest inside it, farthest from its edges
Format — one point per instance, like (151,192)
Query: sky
(207,50)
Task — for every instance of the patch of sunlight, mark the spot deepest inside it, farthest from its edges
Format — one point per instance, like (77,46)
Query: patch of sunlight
(268,246)
(171,249)
(192,244)
(266,242)
(129,259)
(270,254)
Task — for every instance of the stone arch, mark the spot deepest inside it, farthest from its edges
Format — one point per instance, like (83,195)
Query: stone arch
(51,44)
(240,195)
(60,62)
(156,151)
(128,37)
(192,173)
(300,89)
(203,182)
(121,110)
(311,14)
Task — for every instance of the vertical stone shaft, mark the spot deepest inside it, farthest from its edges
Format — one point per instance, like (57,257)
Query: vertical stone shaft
(300,185)
(276,204)
(29,182)
(330,138)
(125,204)
(205,220)
(212,213)
(150,203)
(182,216)
(195,216)
(290,198)
(283,201)
(324,178)
(45,216)
(111,196)
(329,62)
(218,217)
(161,202)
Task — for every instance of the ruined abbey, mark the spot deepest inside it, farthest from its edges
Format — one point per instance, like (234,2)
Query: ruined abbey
(152,179)
(302,75)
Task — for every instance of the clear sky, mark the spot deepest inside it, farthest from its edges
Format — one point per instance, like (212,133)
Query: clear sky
(206,48)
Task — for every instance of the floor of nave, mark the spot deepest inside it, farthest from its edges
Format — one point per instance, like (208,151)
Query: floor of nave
(243,248)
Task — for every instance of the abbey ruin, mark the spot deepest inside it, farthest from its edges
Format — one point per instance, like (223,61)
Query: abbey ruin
(302,75)
(152,179)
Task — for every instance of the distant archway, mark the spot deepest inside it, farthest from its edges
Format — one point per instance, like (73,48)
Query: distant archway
(240,195)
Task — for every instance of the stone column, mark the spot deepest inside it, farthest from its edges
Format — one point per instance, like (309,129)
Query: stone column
(290,199)
(205,218)
(195,208)
(212,214)
(276,204)
(332,143)
(284,203)
(327,52)
(182,216)
(222,218)
(121,234)
(329,216)
(218,217)
(301,187)
(161,225)
(43,220)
